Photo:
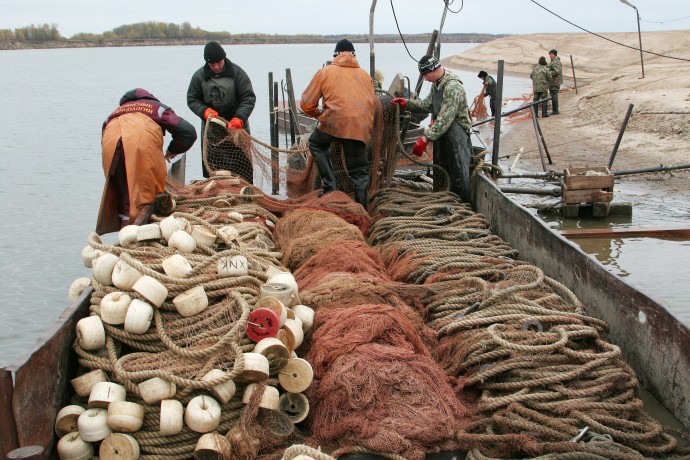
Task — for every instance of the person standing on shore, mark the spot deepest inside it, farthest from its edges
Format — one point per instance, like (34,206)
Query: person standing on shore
(541,79)
(556,70)
(132,152)
(221,88)
(489,89)
(450,128)
(346,115)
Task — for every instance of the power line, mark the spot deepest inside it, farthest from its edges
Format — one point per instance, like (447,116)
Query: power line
(606,38)
(664,22)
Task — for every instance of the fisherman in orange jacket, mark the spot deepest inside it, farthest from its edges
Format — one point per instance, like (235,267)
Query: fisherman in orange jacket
(133,163)
(346,115)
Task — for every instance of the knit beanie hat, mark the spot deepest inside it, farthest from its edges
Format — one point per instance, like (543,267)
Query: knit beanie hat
(213,52)
(428,64)
(344,45)
(553,52)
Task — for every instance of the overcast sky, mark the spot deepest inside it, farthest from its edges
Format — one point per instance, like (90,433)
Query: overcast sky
(349,16)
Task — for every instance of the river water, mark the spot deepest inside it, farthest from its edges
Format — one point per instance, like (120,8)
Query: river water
(53,105)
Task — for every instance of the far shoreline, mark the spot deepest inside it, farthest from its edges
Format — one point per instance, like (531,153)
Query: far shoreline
(287,40)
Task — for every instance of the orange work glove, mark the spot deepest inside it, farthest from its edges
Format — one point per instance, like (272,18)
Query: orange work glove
(236,123)
(399,101)
(420,146)
(209,112)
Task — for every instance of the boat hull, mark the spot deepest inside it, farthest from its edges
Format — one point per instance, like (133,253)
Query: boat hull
(653,341)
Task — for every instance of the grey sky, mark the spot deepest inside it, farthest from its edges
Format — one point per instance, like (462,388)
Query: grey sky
(349,16)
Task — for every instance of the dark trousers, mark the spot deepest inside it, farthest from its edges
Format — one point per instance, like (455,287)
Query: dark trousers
(356,162)
(553,92)
(544,105)
(118,179)
(491,106)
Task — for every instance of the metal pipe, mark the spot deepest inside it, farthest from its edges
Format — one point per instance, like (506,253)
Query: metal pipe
(532,191)
(661,168)
(620,134)
(429,52)
(510,112)
(372,60)
(533,111)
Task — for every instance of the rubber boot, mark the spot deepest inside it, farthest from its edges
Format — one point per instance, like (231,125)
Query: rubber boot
(361,197)
(323,164)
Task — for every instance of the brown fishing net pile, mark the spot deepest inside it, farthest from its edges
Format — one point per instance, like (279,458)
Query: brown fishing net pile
(478,108)
(301,233)
(521,345)
(376,383)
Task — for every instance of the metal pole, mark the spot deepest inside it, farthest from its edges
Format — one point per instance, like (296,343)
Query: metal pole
(510,112)
(372,61)
(533,110)
(639,36)
(430,52)
(620,135)
(639,32)
(497,125)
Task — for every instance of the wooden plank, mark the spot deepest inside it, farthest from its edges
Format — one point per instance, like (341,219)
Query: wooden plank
(627,232)
(8,439)
(585,196)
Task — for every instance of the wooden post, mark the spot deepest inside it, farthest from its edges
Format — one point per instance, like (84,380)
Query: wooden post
(620,135)
(497,123)
(429,51)
(572,66)
(273,125)
(294,121)
(271,111)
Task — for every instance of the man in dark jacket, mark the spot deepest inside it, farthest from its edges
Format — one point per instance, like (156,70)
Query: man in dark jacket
(133,163)
(222,89)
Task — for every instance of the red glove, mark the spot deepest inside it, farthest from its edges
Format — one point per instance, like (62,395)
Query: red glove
(400,101)
(209,112)
(420,146)
(236,123)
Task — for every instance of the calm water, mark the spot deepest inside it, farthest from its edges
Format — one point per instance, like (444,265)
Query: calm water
(53,105)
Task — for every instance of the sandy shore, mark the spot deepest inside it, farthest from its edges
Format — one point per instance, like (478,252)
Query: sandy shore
(608,81)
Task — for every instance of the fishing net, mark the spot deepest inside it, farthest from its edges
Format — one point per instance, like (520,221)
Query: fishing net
(478,108)
(292,171)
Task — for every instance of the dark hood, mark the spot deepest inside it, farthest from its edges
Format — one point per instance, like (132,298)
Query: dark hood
(136,94)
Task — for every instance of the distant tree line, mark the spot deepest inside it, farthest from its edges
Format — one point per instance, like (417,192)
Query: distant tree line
(148,31)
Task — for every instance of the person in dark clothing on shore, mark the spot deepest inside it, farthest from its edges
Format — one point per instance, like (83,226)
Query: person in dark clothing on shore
(222,89)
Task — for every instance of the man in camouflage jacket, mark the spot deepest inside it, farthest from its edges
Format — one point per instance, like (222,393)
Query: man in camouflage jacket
(556,70)
(541,80)
(450,128)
